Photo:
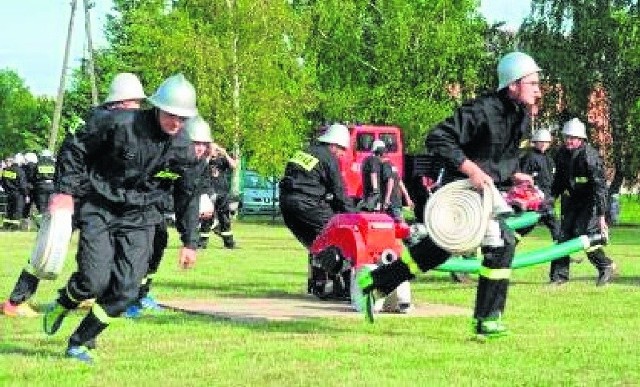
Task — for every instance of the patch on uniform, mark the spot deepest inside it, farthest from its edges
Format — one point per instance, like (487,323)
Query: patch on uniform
(166,174)
(46,169)
(304,160)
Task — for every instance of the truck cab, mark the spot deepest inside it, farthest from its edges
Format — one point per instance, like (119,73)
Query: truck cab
(362,137)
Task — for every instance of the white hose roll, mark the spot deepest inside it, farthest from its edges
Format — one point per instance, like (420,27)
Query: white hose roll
(206,205)
(50,250)
(456,216)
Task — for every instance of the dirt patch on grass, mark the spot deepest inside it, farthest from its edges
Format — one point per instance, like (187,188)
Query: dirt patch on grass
(296,308)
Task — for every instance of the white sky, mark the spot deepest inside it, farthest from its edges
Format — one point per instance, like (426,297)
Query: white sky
(34,33)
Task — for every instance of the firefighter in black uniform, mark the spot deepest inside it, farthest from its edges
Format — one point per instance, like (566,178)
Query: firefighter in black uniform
(222,165)
(481,141)
(200,135)
(581,185)
(372,177)
(537,163)
(132,157)
(43,186)
(311,192)
(30,168)
(14,182)
(125,92)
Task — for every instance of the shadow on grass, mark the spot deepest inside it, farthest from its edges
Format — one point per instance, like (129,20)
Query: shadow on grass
(13,349)
(322,326)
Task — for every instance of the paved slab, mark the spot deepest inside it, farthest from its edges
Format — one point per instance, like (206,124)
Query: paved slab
(296,308)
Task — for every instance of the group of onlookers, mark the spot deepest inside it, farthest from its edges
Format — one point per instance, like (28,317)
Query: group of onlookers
(26,179)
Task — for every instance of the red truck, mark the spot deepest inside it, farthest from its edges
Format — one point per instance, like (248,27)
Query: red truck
(362,137)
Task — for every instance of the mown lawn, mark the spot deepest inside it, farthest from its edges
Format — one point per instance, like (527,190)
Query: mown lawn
(574,335)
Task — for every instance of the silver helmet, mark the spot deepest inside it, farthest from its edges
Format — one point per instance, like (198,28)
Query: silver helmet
(125,86)
(177,96)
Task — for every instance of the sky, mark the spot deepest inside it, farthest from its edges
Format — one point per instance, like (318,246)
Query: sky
(34,34)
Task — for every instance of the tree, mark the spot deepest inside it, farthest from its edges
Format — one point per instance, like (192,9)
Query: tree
(242,57)
(24,119)
(382,62)
(588,46)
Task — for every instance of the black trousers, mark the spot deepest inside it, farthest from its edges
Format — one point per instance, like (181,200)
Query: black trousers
(305,217)
(491,293)
(577,220)
(113,257)
(160,241)
(15,205)
(223,214)
(24,288)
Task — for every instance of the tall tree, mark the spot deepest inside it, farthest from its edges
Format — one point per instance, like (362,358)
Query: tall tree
(242,57)
(587,46)
(392,61)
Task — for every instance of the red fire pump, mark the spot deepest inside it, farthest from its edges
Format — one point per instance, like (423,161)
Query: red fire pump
(359,239)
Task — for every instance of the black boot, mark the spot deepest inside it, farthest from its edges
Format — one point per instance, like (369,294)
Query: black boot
(228,242)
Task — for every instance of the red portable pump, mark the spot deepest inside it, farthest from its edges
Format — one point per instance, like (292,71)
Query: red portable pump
(363,238)
(525,197)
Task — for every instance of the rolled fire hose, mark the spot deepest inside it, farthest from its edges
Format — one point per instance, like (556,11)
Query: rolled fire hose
(457,215)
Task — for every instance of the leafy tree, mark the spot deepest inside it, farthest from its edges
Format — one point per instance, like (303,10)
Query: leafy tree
(585,45)
(382,62)
(241,56)
(24,119)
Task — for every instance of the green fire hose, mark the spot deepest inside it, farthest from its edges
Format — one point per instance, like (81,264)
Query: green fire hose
(529,258)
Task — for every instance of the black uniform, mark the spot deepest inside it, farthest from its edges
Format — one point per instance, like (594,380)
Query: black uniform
(371,197)
(30,170)
(388,172)
(15,184)
(541,166)
(130,164)
(488,131)
(27,283)
(580,182)
(43,185)
(220,180)
(311,192)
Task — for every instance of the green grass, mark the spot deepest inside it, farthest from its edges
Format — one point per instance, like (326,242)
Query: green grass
(575,335)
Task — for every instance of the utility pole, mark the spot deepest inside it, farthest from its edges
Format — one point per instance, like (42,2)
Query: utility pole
(58,108)
(92,71)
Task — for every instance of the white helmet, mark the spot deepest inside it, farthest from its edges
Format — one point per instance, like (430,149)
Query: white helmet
(198,129)
(176,96)
(46,153)
(336,134)
(514,66)
(125,86)
(378,144)
(542,135)
(575,128)
(31,157)
(19,159)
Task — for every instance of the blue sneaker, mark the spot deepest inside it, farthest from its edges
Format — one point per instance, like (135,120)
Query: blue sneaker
(53,317)
(133,311)
(149,303)
(79,352)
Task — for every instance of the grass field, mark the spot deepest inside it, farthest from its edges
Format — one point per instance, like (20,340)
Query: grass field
(574,335)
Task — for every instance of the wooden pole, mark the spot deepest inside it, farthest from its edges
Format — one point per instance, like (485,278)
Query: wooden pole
(92,72)
(58,108)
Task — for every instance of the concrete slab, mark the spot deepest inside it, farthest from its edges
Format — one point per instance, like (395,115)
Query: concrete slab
(296,308)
